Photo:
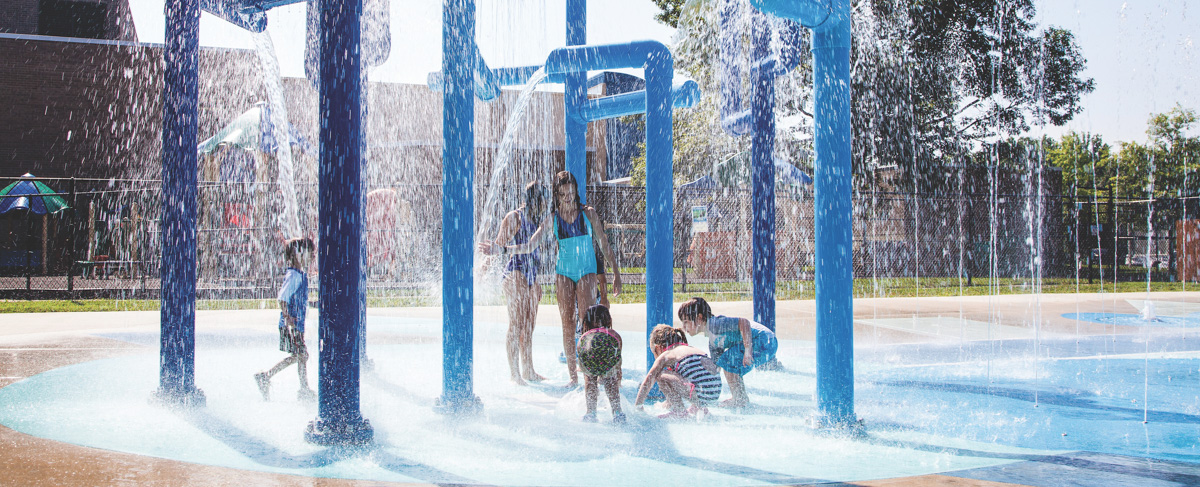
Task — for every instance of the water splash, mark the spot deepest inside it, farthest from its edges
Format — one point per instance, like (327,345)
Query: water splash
(289,219)
(502,194)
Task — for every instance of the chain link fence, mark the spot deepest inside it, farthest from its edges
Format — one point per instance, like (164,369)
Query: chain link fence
(109,243)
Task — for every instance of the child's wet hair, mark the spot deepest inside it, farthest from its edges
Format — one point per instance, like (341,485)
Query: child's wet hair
(596,316)
(292,247)
(535,196)
(694,308)
(665,336)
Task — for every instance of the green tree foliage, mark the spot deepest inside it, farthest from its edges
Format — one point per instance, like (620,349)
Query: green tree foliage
(1085,160)
(1167,165)
(956,73)
(1175,155)
(670,11)
(931,79)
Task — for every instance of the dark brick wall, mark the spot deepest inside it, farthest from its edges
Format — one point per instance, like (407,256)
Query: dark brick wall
(94,110)
(21,17)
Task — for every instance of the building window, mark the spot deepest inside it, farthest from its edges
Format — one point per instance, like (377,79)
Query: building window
(66,18)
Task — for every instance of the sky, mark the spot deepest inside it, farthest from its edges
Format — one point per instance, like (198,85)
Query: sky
(1142,53)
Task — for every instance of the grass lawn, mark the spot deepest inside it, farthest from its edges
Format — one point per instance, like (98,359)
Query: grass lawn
(636,293)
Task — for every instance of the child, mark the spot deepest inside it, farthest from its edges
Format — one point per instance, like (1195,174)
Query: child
(727,339)
(293,305)
(681,371)
(600,356)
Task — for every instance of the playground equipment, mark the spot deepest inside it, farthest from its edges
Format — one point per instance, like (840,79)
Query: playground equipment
(339,418)
(829,21)
(465,76)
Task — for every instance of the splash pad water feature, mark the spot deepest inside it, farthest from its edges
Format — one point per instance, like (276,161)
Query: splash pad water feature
(998,442)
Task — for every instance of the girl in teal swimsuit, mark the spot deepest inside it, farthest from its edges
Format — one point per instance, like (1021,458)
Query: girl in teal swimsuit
(575,227)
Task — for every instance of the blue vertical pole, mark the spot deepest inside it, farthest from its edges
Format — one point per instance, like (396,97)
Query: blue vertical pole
(574,96)
(339,418)
(178,272)
(362,215)
(660,234)
(458,206)
(832,205)
(762,164)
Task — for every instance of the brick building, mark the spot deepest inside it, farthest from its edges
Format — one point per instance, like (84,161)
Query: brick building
(82,100)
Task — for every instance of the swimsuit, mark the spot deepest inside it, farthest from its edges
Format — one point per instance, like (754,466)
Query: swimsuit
(576,255)
(600,356)
(727,350)
(295,294)
(524,263)
(705,386)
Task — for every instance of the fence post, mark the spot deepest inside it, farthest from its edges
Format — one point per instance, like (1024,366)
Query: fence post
(71,241)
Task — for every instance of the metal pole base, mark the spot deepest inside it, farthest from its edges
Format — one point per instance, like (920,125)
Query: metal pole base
(189,399)
(840,427)
(470,406)
(341,433)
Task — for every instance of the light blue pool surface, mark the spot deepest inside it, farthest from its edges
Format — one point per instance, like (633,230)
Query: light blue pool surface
(983,410)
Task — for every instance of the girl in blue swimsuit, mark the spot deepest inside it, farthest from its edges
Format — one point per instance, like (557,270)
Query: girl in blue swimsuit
(520,282)
(576,228)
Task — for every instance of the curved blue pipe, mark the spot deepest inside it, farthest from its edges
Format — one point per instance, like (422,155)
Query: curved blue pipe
(574,96)
(830,23)
(832,202)
(683,95)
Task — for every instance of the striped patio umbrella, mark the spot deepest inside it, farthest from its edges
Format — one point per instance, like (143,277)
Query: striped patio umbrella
(30,194)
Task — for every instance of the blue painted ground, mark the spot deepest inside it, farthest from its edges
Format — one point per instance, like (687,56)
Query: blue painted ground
(986,409)
(1192,320)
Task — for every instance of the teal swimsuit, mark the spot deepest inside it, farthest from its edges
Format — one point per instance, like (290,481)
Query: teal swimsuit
(576,255)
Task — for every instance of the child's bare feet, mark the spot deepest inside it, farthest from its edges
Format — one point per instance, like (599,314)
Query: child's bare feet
(676,414)
(590,417)
(573,384)
(306,395)
(264,385)
(534,377)
(735,403)
(519,381)
(619,418)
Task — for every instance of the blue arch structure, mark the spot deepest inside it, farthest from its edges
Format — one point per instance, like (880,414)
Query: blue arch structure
(658,100)
(829,21)
(466,75)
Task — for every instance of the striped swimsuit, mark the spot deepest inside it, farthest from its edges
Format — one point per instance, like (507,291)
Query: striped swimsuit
(704,384)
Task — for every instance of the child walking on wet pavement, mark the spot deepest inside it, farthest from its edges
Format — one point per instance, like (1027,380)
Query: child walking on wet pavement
(737,345)
(681,372)
(600,358)
(293,306)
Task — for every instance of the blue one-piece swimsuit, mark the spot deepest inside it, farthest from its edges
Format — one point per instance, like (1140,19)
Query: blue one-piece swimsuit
(524,263)
(576,254)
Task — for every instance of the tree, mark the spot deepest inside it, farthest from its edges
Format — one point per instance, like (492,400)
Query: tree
(932,79)
(1173,154)
(1085,161)
(670,11)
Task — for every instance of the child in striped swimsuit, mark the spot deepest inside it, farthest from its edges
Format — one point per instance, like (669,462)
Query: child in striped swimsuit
(682,372)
